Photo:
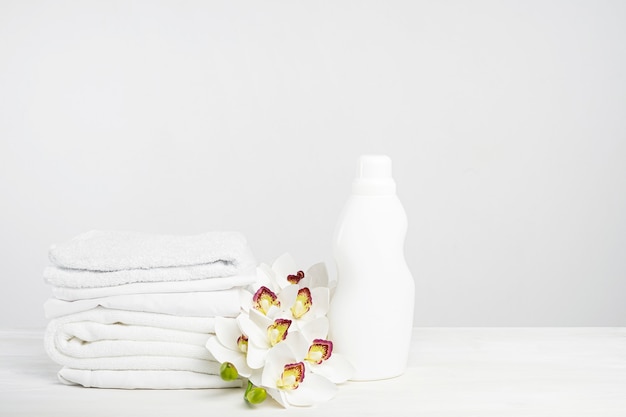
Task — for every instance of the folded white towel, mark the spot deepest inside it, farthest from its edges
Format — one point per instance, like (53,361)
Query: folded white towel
(76,342)
(143,379)
(227,252)
(197,285)
(134,310)
(224,303)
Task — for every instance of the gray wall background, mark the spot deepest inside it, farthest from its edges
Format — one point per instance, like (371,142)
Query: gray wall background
(505,120)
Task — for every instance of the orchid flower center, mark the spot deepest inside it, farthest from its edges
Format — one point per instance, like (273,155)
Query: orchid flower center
(302,304)
(294,279)
(292,376)
(264,299)
(319,351)
(277,331)
(242,343)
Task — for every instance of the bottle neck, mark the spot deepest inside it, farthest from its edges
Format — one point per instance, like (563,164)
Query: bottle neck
(374,187)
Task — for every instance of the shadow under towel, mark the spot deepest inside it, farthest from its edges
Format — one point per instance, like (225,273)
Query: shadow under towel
(143,379)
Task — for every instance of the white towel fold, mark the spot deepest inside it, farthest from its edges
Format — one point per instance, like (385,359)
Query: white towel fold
(94,339)
(80,278)
(138,362)
(198,285)
(83,341)
(141,320)
(143,379)
(224,303)
(223,253)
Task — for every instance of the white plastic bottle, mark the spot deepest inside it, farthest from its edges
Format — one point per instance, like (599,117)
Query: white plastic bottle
(371,313)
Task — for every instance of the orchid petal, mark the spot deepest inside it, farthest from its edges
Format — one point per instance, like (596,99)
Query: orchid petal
(255,327)
(283,266)
(315,329)
(266,276)
(336,368)
(270,373)
(274,312)
(245,300)
(223,354)
(314,389)
(288,295)
(276,359)
(260,320)
(321,301)
(227,331)
(318,275)
(255,377)
(281,353)
(298,344)
(332,286)
(255,358)
(278,395)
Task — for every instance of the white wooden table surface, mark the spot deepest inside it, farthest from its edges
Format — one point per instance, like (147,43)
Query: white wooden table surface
(452,372)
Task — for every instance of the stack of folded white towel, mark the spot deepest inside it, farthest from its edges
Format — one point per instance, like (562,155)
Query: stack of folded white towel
(133,310)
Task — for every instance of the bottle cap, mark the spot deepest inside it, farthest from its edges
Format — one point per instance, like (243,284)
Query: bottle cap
(373,176)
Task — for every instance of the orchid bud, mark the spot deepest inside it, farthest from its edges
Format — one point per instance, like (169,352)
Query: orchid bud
(256,395)
(228,372)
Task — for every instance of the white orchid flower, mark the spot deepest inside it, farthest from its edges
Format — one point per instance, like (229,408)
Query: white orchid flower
(288,381)
(280,340)
(304,304)
(318,352)
(284,272)
(264,301)
(263,334)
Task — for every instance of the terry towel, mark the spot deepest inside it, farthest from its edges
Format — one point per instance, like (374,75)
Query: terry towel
(80,278)
(130,257)
(196,285)
(224,303)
